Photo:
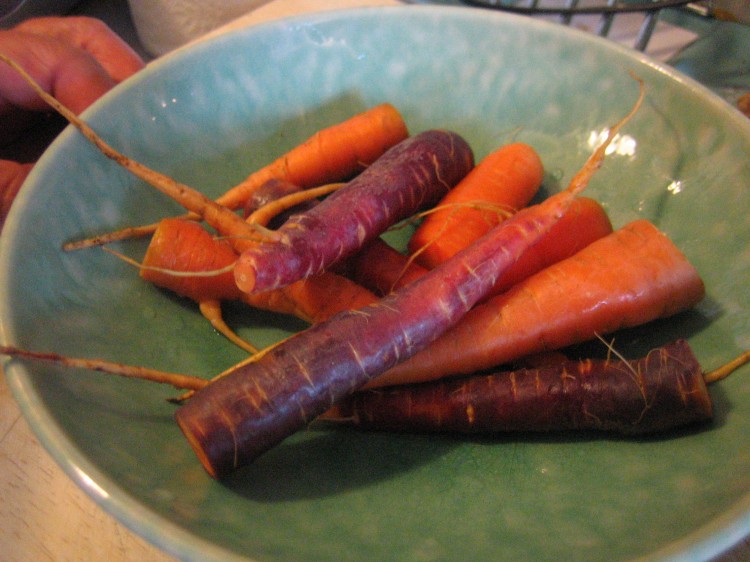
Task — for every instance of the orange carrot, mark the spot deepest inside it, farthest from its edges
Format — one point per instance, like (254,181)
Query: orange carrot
(333,154)
(628,278)
(504,181)
(585,222)
(180,245)
(382,269)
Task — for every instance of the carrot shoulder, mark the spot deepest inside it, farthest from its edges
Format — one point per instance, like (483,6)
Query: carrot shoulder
(503,182)
(628,278)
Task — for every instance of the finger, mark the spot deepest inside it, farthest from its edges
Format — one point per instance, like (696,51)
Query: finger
(71,75)
(12,175)
(117,58)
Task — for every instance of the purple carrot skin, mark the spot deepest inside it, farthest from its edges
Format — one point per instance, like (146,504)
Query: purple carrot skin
(414,174)
(661,391)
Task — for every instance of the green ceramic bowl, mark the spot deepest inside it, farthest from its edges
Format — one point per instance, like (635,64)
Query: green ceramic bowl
(209,115)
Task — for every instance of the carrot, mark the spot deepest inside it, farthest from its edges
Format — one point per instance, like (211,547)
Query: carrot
(179,245)
(630,277)
(585,222)
(381,268)
(664,390)
(504,181)
(254,407)
(333,154)
(184,246)
(412,175)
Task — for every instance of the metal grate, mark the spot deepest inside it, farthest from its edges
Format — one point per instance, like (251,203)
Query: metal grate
(566,10)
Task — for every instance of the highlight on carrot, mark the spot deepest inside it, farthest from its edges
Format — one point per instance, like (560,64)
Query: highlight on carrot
(661,391)
(503,182)
(412,175)
(630,277)
(333,154)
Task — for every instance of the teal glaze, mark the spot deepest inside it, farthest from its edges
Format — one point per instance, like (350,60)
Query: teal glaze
(212,113)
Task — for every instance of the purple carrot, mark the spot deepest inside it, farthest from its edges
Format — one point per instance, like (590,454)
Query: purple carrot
(663,390)
(412,175)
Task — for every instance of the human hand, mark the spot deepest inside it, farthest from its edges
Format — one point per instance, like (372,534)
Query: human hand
(76,59)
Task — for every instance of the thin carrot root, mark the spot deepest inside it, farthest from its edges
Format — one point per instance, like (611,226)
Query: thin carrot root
(270,210)
(170,272)
(724,371)
(104,239)
(211,311)
(178,380)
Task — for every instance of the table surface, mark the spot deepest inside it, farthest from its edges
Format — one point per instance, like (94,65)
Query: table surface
(45,516)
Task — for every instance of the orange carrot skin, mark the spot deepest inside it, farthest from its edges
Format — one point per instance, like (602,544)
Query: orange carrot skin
(243,414)
(633,276)
(661,391)
(411,176)
(382,269)
(585,222)
(507,178)
(185,246)
(333,154)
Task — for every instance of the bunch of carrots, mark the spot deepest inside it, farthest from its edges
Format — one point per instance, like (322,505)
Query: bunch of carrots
(395,338)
